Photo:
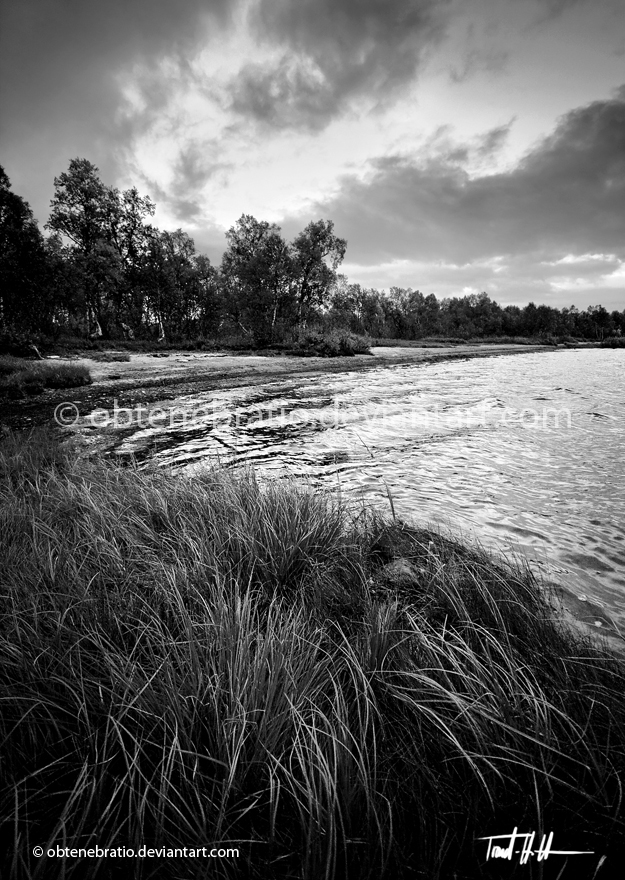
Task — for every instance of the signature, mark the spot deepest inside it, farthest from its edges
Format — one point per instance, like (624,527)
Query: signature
(501,851)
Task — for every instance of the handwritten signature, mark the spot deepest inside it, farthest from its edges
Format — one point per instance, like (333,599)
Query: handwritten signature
(500,851)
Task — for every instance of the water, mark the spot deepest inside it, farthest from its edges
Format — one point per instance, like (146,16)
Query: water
(521,452)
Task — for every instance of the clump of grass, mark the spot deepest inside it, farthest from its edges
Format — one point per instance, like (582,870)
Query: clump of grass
(10,365)
(20,378)
(192,661)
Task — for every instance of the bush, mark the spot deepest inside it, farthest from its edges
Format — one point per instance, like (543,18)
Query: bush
(18,343)
(336,343)
(613,342)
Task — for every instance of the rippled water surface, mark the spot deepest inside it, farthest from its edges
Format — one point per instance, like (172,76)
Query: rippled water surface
(522,452)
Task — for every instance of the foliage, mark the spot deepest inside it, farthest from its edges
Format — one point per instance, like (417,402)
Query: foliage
(315,255)
(200,658)
(23,270)
(18,343)
(273,286)
(332,344)
(105,272)
(613,342)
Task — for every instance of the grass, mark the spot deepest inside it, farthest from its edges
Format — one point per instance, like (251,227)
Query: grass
(199,661)
(20,378)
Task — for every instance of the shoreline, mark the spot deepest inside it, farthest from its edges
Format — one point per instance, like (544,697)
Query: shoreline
(161,376)
(157,378)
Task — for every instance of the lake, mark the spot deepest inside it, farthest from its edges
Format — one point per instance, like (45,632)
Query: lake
(522,452)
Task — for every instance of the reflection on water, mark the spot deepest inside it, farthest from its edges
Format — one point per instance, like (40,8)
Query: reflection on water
(522,452)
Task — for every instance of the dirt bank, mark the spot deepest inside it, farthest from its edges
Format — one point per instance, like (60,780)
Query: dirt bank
(164,375)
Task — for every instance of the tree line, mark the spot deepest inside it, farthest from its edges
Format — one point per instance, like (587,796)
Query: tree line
(104,270)
(403,313)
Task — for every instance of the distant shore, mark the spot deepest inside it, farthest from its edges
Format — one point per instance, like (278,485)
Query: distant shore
(163,375)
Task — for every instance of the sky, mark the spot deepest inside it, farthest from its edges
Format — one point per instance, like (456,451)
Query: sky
(458,146)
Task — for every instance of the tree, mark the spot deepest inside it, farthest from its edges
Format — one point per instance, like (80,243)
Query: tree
(256,270)
(315,254)
(23,266)
(83,208)
(86,212)
(109,243)
(170,276)
(131,237)
(600,321)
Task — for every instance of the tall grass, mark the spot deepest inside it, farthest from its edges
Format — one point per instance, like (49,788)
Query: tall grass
(19,378)
(204,661)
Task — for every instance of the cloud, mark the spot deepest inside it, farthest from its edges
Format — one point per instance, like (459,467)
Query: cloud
(56,50)
(565,196)
(553,224)
(494,140)
(555,8)
(489,60)
(478,52)
(64,67)
(196,164)
(330,53)
(507,279)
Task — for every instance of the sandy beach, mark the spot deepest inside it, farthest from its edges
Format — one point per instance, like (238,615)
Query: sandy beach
(160,376)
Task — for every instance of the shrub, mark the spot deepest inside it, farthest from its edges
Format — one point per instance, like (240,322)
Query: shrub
(613,342)
(17,343)
(336,343)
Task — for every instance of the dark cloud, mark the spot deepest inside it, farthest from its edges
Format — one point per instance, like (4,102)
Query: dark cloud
(567,195)
(61,69)
(493,141)
(440,149)
(197,163)
(59,49)
(332,52)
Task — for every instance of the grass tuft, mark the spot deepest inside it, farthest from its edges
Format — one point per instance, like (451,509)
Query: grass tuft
(19,378)
(207,661)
